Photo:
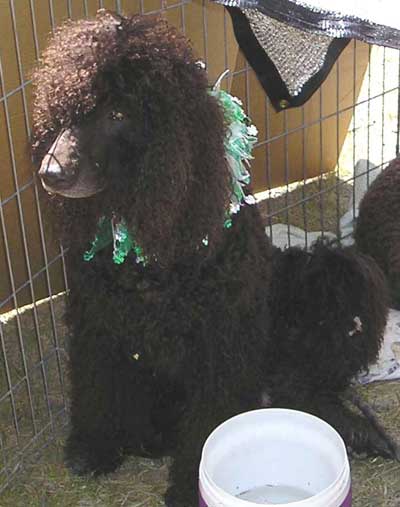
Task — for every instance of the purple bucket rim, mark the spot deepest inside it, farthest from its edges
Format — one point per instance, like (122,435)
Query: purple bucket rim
(347,502)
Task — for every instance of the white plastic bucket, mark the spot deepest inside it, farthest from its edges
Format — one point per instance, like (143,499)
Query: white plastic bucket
(274,457)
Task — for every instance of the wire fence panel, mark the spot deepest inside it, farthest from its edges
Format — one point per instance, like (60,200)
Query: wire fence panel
(311,166)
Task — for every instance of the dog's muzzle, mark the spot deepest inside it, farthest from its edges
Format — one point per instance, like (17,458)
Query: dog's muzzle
(57,170)
(63,171)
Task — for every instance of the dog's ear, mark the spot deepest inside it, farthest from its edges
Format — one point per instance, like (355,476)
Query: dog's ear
(180,191)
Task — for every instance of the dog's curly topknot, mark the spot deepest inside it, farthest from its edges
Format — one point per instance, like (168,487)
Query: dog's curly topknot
(67,83)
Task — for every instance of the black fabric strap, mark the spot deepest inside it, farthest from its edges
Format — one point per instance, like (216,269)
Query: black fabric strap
(331,23)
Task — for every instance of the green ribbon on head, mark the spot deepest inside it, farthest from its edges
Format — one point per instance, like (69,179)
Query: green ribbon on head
(239,143)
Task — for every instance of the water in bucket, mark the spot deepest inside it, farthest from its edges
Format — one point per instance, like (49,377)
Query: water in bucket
(275,494)
(274,457)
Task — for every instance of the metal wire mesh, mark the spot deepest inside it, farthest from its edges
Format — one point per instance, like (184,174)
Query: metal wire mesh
(331,199)
(296,201)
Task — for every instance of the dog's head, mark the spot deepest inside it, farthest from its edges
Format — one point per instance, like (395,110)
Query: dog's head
(124,124)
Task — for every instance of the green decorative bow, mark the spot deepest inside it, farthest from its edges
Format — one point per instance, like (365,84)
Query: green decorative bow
(114,231)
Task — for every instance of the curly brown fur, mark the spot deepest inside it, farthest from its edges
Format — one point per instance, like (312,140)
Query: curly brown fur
(160,354)
(377,231)
(328,314)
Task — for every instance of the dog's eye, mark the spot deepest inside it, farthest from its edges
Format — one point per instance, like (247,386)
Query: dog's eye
(116,116)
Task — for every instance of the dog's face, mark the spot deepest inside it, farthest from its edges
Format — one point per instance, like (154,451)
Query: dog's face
(124,125)
(84,159)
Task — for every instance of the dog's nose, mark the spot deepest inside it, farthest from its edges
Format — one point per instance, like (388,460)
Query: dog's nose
(52,173)
(50,170)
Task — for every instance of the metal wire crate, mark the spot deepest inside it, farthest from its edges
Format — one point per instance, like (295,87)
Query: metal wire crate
(307,174)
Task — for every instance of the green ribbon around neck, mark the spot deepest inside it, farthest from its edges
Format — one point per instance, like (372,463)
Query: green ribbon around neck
(114,231)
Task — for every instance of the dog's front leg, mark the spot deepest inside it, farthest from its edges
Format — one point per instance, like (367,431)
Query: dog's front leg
(94,443)
(196,427)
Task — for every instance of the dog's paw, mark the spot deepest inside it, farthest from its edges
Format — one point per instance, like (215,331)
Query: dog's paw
(374,443)
(83,459)
(155,448)
(383,445)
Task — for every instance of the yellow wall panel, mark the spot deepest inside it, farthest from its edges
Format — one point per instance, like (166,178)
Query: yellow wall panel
(7,186)
(130,6)
(174,17)
(215,41)
(109,4)
(91,6)
(20,138)
(152,5)
(258,167)
(32,230)
(25,36)
(42,22)
(15,245)
(257,109)
(232,47)
(8,53)
(238,87)
(60,11)
(77,9)
(195,27)
(5,285)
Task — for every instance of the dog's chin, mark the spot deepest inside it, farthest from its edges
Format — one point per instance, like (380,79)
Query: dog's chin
(73,192)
